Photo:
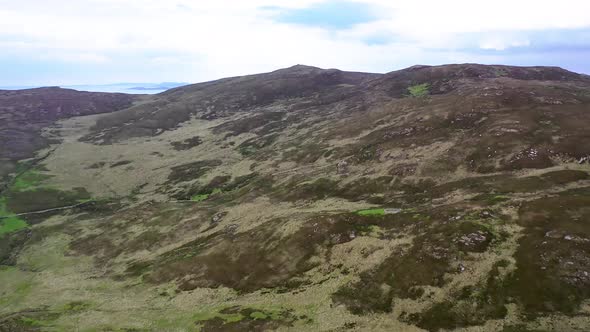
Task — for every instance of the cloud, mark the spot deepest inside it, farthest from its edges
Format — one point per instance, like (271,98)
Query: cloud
(500,44)
(182,40)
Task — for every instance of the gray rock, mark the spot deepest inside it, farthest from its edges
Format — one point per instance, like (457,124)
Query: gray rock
(342,167)
(473,239)
(486,214)
(217,217)
(231,229)
(392,211)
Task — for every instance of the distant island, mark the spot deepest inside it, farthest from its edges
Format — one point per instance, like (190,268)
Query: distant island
(161,86)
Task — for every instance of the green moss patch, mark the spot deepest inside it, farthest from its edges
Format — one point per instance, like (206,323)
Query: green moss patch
(371,212)
(202,197)
(28,194)
(419,90)
(199,198)
(8,223)
(245,319)
(27,181)
(12,224)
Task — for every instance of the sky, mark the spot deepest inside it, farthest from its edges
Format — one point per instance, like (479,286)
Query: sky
(67,42)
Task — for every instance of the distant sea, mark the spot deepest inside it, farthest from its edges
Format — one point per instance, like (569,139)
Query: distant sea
(134,88)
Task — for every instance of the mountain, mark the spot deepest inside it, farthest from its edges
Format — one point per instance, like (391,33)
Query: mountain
(431,198)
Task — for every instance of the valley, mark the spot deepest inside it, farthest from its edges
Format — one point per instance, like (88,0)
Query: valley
(433,198)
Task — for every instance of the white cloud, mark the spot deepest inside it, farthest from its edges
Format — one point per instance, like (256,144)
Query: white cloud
(500,44)
(222,38)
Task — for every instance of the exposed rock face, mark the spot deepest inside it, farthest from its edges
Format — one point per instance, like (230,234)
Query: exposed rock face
(392,211)
(342,167)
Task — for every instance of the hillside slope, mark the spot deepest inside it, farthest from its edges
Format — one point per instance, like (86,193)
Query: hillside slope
(23,113)
(431,198)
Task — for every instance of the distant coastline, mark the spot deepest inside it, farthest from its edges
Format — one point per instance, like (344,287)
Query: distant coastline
(142,88)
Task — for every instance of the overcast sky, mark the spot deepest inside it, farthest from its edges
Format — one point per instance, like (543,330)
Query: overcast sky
(60,42)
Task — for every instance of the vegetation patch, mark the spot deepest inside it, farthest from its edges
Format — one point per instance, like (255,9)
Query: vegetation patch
(246,319)
(202,197)
(187,144)
(8,222)
(27,193)
(367,153)
(11,224)
(136,229)
(220,185)
(494,189)
(11,243)
(29,320)
(43,199)
(370,189)
(23,185)
(471,306)
(253,145)
(250,123)
(551,275)
(28,181)
(303,152)
(316,190)
(75,307)
(191,171)
(442,239)
(366,188)
(371,212)
(261,257)
(490,199)
(552,265)
(16,285)
(97,165)
(419,90)
(565,176)
(121,163)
